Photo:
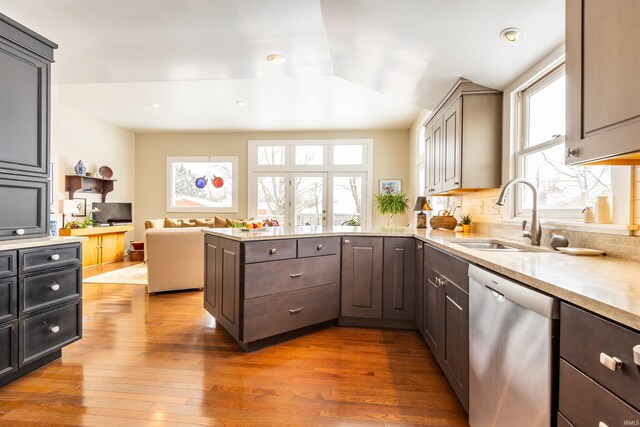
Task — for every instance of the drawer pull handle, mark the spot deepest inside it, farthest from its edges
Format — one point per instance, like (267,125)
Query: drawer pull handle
(347,241)
(636,354)
(319,247)
(295,275)
(419,245)
(55,329)
(55,257)
(272,251)
(55,287)
(602,424)
(19,231)
(295,310)
(611,363)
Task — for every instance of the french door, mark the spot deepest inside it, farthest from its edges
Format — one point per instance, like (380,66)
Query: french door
(309,199)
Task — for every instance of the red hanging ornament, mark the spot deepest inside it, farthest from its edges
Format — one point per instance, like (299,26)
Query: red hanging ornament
(217,182)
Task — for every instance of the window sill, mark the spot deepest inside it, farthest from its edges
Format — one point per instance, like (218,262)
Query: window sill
(616,229)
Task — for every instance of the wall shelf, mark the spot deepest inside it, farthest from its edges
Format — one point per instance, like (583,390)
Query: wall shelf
(88,184)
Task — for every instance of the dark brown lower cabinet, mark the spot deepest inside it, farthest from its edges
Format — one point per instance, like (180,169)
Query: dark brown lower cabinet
(362,259)
(445,312)
(398,280)
(8,347)
(211,297)
(418,284)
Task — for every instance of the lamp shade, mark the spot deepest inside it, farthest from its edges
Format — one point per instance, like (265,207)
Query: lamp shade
(422,204)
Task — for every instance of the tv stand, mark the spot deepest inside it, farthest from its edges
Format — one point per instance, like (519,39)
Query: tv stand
(104,244)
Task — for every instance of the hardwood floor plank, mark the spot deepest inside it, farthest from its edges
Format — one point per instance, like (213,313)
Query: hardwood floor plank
(162,360)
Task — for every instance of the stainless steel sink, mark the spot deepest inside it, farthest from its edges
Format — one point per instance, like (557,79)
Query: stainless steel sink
(489,246)
(498,246)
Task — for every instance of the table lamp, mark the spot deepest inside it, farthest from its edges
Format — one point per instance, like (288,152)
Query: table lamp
(421,207)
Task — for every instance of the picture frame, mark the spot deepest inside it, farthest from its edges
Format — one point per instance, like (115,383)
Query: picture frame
(392,186)
(81,208)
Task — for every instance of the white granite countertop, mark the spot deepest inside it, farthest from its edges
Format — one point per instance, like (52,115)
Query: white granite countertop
(10,245)
(607,286)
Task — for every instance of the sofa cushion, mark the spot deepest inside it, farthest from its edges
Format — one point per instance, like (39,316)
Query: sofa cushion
(203,222)
(153,223)
(220,222)
(178,222)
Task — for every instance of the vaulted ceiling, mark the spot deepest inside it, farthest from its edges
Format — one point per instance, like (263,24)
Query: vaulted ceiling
(196,58)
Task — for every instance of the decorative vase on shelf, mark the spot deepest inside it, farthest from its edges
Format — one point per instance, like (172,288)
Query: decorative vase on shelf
(603,210)
(80,168)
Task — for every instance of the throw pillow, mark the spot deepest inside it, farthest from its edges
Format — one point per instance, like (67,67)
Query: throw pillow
(220,222)
(203,222)
(185,223)
(171,223)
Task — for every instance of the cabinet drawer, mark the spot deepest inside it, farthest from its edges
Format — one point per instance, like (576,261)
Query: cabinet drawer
(8,347)
(563,422)
(8,299)
(8,263)
(585,403)
(269,278)
(276,314)
(43,333)
(270,250)
(318,246)
(453,269)
(583,336)
(38,291)
(23,212)
(49,257)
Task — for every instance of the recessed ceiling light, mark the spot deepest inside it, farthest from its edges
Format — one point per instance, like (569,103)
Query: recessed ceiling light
(312,101)
(155,105)
(512,35)
(276,58)
(242,103)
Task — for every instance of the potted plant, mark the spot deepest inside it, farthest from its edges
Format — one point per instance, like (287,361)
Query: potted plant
(466,223)
(392,204)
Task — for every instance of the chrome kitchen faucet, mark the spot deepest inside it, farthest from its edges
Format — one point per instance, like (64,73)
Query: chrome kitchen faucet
(535,232)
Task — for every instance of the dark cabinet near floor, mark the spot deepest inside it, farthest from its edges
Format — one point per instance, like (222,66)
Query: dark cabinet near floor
(418,284)
(446,317)
(362,260)
(25,60)
(8,348)
(211,296)
(398,278)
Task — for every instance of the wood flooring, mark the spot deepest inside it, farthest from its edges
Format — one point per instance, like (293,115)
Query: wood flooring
(160,360)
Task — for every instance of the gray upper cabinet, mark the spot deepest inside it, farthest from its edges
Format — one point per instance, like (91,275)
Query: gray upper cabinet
(603,90)
(25,59)
(463,140)
(23,207)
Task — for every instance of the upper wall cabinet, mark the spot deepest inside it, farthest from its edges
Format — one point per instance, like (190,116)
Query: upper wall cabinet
(25,59)
(463,140)
(603,89)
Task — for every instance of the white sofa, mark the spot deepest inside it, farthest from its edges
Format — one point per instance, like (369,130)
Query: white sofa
(175,259)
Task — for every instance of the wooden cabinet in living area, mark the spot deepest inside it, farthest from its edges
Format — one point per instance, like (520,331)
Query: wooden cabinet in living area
(446,317)
(603,90)
(103,244)
(463,140)
(362,262)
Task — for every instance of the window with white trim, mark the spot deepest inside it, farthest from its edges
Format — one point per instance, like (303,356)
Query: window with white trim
(310,182)
(563,191)
(202,184)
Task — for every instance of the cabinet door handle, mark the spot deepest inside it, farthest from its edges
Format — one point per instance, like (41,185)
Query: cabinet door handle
(319,247)
(54,329)
(294,275)
(55,287)
(456,183)
(609,362)
(636,354)
(20,231)
(272,251)
(55,257)
(419,245)
(347,241)
(295,310)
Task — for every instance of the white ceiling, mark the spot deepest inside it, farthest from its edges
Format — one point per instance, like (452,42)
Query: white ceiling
(197,57)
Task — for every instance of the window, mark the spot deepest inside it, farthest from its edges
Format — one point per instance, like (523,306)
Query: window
(313,182)
(563,191)
(202,184)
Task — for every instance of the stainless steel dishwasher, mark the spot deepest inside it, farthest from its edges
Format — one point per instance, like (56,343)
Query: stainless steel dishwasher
(512,345)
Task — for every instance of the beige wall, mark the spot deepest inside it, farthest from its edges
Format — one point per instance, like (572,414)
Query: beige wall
(390,160)
(75,136)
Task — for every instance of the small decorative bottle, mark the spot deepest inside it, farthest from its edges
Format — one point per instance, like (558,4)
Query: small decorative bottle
(80,168)
(603,210)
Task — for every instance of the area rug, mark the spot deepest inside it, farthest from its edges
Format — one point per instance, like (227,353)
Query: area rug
(134,275)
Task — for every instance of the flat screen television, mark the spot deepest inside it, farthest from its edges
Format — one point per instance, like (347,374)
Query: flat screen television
(112,213)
